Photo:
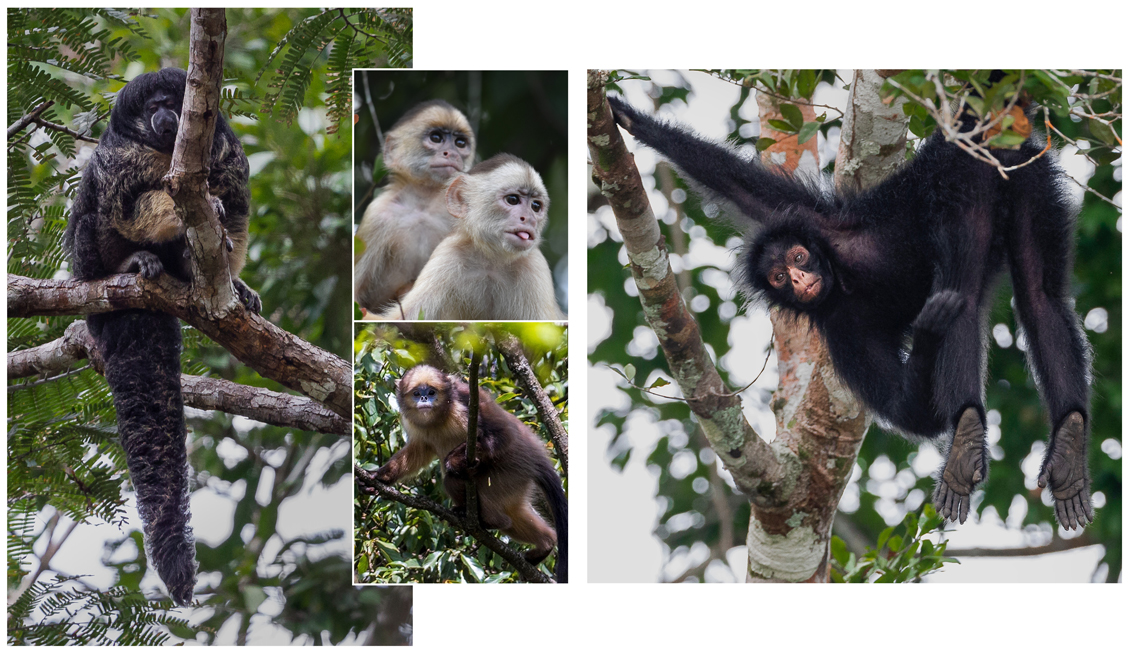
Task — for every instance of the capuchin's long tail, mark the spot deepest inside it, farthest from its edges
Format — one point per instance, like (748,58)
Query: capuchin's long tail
(140,351)
(552,486)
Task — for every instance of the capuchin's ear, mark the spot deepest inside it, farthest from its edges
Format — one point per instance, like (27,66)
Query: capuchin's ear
(456,201)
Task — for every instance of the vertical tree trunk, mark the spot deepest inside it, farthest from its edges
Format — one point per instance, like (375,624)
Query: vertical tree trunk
(817,417)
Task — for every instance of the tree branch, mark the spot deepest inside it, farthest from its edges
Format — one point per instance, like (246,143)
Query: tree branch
(28,118)
(753,464)
(64,130)
(1056,545)
(527,571)
(512,351)
(187,181)
(269,350)
(267,406)
(260,404)
(472,437)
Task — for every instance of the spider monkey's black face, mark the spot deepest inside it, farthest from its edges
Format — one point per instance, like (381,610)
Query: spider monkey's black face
(792,273)
(161,112)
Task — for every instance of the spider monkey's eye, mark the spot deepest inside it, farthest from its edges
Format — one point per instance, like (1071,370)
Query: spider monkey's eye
(799,258)
(513,200)
(536,206)
(436,137)
(780,277)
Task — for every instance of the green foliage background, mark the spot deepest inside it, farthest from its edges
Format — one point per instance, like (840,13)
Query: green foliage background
(686,516)
(286,89)
(393,542)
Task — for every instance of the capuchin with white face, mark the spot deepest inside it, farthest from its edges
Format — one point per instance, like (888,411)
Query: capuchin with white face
(491,267)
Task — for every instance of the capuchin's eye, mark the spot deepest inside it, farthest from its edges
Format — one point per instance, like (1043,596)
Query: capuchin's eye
(513,200)
(536,206)
(461,142)
(436,137)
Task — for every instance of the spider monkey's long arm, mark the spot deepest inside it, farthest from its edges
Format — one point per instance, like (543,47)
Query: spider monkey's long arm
(755,190)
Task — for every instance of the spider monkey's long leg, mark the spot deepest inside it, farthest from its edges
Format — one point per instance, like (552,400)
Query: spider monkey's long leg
(959,397)
(1040,260)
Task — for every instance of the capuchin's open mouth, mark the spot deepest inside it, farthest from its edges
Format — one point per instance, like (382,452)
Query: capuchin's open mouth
(524,236)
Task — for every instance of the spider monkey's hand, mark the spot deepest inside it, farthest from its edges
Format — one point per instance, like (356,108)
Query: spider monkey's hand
(624,114)
(250,299)
(1066,473)
(940,311)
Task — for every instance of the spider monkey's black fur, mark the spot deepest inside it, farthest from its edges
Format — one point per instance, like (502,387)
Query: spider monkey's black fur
(915,257)
(123,221)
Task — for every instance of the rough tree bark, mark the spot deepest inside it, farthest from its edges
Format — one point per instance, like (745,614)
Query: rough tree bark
(758,469)
(512,351)
(820,425)
(208,302)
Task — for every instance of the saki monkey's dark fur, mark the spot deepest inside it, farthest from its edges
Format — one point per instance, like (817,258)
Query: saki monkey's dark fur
(913,259)
(511,466)
(123,221)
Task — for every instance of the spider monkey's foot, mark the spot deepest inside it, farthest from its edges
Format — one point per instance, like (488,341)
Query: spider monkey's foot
(1066,473)
(965,468)
(941,309)
(248,298)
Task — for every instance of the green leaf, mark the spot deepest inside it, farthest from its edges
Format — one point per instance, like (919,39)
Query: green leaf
(1102,132)
(793,115)
(808,131)
(780,125)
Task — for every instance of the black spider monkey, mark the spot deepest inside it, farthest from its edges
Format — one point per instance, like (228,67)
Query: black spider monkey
(916,256)
(124,221)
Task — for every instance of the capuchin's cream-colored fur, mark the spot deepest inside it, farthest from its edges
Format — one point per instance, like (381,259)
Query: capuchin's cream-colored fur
(511,466)
(423,151)
(490,268)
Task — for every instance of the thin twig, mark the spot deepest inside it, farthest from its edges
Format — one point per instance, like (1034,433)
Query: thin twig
(758,89)
(771,347)
(64,130)
(472,436)
(528,571)
(29,117)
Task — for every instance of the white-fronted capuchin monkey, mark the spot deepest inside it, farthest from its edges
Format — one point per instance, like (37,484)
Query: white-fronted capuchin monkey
(423,151)
(511,465)
(490,268)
